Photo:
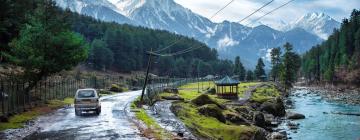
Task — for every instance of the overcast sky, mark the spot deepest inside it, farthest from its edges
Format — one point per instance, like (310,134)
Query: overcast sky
(338,9)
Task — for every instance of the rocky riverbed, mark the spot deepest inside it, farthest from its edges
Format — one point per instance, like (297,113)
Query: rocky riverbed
(326,117)
(339,95)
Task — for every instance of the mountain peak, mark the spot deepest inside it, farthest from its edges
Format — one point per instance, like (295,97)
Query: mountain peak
(317,23)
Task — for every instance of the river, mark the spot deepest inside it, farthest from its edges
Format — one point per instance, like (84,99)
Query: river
(320,122)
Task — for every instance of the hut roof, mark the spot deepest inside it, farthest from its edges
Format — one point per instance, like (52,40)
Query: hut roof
(227,81)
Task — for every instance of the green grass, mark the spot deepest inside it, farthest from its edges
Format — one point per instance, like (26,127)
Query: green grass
(263,94)
(211,128)
(17,121)
(157,130)
(242,87)
(192,94)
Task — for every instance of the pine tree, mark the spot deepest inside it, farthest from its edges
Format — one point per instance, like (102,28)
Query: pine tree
(276,62)
(290,66)
(259,69)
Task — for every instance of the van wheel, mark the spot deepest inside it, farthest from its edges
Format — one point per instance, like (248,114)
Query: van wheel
(77,113)
(98,111)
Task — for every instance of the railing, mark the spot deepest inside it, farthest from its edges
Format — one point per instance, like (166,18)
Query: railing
(15,99)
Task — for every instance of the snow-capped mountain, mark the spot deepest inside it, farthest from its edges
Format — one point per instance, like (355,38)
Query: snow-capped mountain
(99,9)
(319,24)
(229,38)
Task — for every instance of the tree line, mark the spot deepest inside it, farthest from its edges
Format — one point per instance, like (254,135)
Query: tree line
(43,39)
(336,60)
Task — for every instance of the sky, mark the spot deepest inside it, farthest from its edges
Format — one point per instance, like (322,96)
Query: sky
(337,9)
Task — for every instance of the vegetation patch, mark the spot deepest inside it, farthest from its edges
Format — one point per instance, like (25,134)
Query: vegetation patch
(210,127)
(155,129)
(265,93)
(18,121)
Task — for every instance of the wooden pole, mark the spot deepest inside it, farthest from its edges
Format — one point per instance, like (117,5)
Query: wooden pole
(147,75)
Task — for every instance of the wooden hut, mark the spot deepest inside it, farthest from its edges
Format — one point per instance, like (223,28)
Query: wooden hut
(227,88)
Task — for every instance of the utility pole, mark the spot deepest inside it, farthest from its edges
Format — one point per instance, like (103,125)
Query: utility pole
(147,74)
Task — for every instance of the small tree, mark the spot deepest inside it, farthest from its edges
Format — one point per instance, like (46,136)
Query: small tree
(259,70)
(290,66)
(276,62)
(239,69)
(249,75)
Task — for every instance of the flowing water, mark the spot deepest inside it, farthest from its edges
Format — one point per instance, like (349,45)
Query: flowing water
(321,123)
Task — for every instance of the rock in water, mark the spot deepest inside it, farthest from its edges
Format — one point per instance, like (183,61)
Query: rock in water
(295,116)
(277,136)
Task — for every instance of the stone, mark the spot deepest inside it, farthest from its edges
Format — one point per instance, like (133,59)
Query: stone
(275,107)
(295,116)
(212,110)
(204,99)
(259,119)
(277,136)
(236,119)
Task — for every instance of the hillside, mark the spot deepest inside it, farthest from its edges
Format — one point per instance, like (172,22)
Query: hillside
(337,60)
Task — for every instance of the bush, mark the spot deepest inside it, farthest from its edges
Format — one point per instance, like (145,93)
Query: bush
(105,92)
(117,88)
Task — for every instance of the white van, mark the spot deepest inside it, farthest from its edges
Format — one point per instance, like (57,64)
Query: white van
(87,100)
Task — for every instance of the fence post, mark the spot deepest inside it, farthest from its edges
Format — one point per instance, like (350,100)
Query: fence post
(2,92)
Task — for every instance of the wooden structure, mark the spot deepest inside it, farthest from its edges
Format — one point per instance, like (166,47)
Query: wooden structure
(227,88)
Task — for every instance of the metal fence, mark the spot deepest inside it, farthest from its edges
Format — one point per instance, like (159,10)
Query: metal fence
(14,97)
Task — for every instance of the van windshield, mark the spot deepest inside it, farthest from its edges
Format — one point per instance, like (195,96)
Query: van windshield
(86,94)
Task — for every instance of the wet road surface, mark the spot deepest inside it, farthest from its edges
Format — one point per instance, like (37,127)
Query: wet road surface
(112,123)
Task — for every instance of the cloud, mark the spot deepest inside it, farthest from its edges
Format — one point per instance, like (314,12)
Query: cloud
(338,9)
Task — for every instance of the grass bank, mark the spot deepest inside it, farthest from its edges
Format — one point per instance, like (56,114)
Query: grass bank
(153,130)
(265,93)
(210,127)
(18,121)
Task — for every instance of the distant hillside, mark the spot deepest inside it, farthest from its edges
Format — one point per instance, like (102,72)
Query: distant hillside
(336,60)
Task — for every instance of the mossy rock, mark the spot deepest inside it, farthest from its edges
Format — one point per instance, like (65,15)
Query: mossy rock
(259,119)
(212,110)
(275,107)
(204,99)
(235,118)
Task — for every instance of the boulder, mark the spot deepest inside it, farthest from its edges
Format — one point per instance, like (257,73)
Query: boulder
(212,110)
(277,136)
(174,97)
(259,119)
(236,119)
(275,107)
(295,116)
(171,90)
(245,112)
(260,134)
(292,125)
(204,99)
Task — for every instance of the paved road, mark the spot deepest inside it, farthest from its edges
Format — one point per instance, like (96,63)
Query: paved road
(111,124)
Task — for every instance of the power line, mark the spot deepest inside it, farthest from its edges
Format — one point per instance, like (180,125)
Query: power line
(270,12)
(177,41)
(222,9)
(257,10)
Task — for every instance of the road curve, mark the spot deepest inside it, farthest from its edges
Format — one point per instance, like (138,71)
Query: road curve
(112,123)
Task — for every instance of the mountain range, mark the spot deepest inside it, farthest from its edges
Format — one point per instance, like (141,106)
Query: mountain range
(229,38)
